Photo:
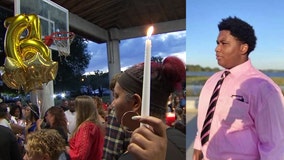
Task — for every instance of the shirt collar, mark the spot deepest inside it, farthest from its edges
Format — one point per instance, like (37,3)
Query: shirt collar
(240,69)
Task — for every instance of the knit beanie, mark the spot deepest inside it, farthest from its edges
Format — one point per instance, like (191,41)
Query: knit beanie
(165,78)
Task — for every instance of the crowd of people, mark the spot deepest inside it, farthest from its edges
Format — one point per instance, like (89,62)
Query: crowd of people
(83,128)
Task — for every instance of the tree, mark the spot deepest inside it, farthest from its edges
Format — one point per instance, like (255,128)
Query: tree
(71,68)
(198,68)
(157,59)
(3,15)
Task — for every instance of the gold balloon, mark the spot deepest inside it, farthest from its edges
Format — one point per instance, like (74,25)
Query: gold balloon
(40,69)
(15,28)
(30,47)
(28,62)
(32,85)
(14,76)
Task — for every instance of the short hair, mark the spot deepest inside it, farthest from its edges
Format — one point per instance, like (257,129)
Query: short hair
(240,29)
(45,141)
(3,110)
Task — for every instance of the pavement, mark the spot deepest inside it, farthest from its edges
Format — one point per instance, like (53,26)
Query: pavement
(191,128)
(191,124)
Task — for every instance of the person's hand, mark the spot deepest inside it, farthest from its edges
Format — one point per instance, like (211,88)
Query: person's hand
(28,125)
(197,155)
(149,142)
(17,129)
(38,124)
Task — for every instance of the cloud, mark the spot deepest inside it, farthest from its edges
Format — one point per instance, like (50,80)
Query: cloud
(177,35)
(180,55)
(99,57)
(132,51)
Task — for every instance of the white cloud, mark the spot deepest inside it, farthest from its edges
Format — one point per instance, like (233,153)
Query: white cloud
(161,54)
(132,50)
(180,55)
(125,68)
(177,35)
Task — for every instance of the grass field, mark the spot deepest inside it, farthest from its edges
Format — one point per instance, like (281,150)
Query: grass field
(200,80)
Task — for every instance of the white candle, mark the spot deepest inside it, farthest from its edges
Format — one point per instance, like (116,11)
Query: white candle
(145,108)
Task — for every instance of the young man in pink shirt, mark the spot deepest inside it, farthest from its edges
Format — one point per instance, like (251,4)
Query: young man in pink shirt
(243,119)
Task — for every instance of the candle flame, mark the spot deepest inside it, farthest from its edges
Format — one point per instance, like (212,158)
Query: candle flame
(150,31)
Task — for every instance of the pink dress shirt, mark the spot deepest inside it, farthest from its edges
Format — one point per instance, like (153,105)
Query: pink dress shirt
(248,123)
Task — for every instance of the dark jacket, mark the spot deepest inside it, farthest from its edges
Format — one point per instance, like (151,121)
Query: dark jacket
(8,144)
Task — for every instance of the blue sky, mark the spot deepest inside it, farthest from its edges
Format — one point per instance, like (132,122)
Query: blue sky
(132,50)
(267,18)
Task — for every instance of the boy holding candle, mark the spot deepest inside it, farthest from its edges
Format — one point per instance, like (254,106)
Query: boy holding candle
(165,78)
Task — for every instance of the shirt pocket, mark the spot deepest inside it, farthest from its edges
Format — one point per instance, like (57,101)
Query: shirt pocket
(237,117)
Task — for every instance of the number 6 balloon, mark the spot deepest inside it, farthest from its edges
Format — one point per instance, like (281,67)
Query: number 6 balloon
(28,62)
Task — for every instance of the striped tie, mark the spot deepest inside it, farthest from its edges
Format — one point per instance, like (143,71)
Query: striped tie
(210,112)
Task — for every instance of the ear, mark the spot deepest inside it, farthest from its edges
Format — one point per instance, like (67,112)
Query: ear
(46,156)
(244,48)
(137,100)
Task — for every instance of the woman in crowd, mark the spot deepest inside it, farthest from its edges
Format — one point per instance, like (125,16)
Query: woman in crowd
(45,144)
(87,140)
(55,118)
(32,115)
(17,115)
(175,103)
(165,78)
